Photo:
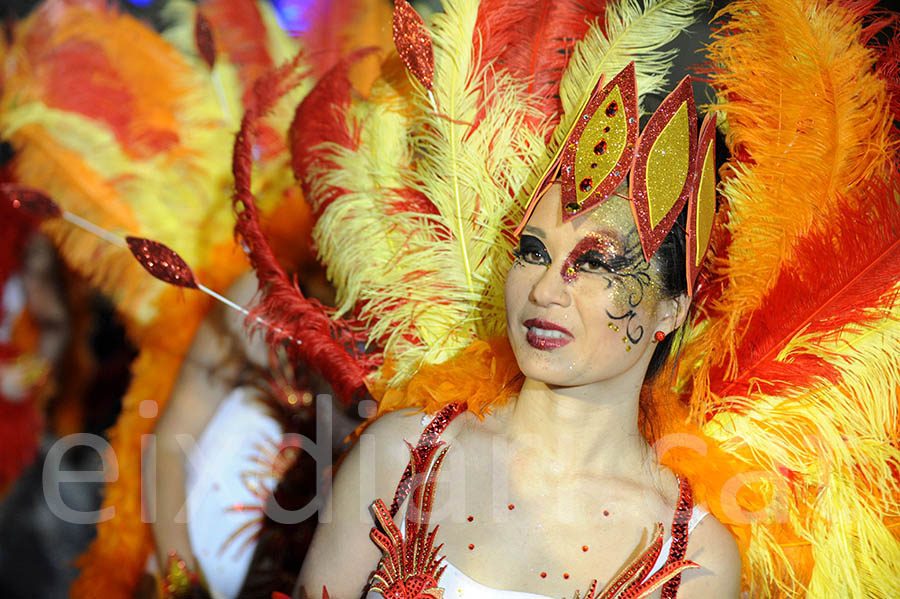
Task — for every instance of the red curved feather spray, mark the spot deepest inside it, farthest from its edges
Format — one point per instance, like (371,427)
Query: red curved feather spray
(327,345)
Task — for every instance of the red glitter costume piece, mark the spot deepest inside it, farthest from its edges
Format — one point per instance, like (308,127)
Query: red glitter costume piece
(410,566)
(430,437)
(679,535)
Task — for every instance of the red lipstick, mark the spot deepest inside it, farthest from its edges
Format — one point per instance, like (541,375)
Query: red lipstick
(545,341)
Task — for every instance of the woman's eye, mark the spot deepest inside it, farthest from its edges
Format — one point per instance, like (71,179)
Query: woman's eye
(592,262)
(532,251)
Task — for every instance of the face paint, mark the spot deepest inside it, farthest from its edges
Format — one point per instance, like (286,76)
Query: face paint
(583,289)
(592,253)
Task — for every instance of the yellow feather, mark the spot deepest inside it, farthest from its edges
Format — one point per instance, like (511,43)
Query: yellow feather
(631,32)
(432,283)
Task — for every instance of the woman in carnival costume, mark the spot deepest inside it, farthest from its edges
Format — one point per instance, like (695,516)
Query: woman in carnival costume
(781,409)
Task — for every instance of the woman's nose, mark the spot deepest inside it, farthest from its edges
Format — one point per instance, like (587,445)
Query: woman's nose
(550,288)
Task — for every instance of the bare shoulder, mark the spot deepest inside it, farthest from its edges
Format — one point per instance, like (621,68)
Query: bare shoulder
(385,436)
(341,556)
(714,549)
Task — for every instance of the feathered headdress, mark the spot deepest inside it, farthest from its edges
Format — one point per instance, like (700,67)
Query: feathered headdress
(418,187)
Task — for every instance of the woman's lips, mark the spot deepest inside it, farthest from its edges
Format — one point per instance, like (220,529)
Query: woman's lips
(543,334)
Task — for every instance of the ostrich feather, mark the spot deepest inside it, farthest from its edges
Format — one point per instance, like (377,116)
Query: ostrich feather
(630,32)
(804,156)
(795,360)
(533,42)
(134,146)
(415,239)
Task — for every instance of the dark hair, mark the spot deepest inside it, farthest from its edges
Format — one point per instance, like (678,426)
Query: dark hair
(672,263)
(671,256)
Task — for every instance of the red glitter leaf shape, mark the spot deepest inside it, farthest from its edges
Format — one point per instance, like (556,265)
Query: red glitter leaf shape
(413,43)
(32,202)
(203,37)
(162,262)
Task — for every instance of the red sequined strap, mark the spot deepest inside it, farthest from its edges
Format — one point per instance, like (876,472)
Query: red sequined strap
(680,524)
(430,436)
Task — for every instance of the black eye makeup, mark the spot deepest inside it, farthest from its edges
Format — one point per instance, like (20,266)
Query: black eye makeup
(532,251)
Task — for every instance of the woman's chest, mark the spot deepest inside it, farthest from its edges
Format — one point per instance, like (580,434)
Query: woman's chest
(545,537)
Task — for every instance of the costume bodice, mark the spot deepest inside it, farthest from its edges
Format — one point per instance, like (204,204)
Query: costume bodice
(457,584)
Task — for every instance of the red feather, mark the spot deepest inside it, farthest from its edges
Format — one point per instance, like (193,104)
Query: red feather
(81,78)
(328,29)
(534,40)
(318,119)
(241,32)
(328,346)
(842,278)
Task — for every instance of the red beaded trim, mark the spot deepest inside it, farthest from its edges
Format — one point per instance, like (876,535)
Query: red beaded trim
(679,535)
(430,436)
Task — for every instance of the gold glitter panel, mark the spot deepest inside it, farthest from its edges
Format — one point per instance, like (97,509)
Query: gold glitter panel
(664,167)
(667,166)
(599,150)
(702,206)
(706,204)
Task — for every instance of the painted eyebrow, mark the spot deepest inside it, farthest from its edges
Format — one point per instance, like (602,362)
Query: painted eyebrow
(536,231)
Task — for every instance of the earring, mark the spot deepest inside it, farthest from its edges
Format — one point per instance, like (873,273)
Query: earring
(659,335)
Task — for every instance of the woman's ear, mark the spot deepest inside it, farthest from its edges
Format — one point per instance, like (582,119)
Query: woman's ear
(672,312)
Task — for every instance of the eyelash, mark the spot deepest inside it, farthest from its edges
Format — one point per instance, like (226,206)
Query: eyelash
(594,261)
(532,251)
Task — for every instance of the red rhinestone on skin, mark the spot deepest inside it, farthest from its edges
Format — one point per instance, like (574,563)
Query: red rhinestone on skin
(511,506)
(543,575)
(566,575)
(470,518)
(659,335)
(471,546)
(584,548)
(606,512)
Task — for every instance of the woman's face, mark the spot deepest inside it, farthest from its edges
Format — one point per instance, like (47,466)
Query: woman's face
(582,304)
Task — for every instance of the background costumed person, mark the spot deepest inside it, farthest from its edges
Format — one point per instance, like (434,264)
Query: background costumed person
(784,419)
(125,127)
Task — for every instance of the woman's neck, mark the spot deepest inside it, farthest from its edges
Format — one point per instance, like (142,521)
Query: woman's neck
(590,429)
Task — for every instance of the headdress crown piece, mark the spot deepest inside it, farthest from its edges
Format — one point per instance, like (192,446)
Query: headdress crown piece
(668,165)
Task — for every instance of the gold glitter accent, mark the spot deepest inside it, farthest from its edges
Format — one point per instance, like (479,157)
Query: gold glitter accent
(624,339)
(706,204)
(667,165)
(665,159)
(573,207)
(627,348)
(594,134)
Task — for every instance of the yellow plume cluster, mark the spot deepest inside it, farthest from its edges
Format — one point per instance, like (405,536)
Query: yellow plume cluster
(430,281)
